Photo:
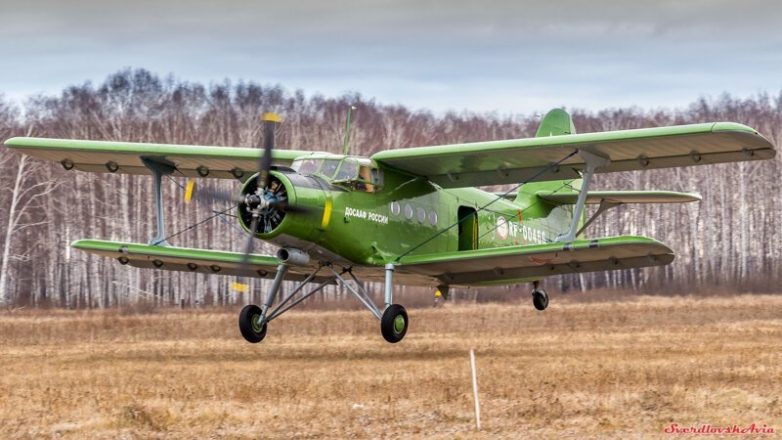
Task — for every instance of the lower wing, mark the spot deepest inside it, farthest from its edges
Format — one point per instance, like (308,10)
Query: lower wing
(511,264)
(495,266)
(192,260)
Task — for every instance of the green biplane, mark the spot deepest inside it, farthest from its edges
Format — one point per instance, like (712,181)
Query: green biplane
(411,216)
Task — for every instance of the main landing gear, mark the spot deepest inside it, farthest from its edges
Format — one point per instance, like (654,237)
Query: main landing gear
(539,296)
(250,324)
(393,323)
(253,320)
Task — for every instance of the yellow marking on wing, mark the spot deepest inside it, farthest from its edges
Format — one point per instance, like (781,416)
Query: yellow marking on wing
(189,190)
(326,214)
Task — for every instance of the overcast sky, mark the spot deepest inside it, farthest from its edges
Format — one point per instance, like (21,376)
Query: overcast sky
(505,56)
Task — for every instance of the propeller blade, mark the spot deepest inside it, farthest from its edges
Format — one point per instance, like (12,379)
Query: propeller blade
(238,286)
(209,194)
(248,244)
(189,190)
(270,120)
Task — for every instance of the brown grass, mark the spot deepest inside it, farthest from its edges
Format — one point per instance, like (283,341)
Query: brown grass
(579,370)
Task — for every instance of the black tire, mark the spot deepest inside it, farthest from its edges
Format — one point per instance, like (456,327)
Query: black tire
(391,323)
(248,324)
(540,299)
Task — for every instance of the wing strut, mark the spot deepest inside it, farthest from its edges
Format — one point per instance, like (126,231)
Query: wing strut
(604,206)
(593,162)
(159,168)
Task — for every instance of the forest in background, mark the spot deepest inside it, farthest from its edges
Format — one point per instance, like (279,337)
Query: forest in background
(726,242)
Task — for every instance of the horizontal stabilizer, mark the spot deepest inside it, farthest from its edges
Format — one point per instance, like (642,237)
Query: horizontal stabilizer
(190,259)
(620,197)
(506,264)
(126,157)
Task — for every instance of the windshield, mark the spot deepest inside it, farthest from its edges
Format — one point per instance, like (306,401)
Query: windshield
(323,167)
(354,172)
(348,170)
(332,169)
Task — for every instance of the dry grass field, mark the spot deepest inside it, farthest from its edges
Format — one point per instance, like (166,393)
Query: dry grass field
(624,369)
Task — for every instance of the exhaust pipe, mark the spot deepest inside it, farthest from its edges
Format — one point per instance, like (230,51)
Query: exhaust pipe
(293,256)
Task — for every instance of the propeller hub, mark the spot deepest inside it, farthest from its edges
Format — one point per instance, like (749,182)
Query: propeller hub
(267,204)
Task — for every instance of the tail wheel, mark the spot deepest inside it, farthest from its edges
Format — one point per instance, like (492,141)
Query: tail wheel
(249,324)
(540,299)
(393,324)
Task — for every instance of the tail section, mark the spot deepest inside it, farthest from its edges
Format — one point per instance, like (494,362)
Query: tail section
(556,218)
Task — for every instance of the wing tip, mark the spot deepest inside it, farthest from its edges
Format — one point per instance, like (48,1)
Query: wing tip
(735,127)
(732,126)
(17,141)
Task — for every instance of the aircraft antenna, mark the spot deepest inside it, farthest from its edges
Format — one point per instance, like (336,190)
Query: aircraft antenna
(346,142)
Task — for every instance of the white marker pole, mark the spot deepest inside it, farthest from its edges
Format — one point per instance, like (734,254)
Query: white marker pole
(475,391)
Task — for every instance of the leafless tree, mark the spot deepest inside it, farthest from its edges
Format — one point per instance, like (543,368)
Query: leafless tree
(727,241)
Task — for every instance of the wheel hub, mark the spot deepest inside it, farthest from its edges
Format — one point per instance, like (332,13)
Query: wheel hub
(399,323)
(256,323)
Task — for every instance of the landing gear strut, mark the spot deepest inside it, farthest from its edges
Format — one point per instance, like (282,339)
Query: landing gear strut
(394,321)
(539,297)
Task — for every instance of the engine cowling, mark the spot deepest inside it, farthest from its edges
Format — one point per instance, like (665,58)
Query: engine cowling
(291,208)
(270,202)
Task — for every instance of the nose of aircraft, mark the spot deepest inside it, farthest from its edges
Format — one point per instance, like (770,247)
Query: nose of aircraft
(290,204)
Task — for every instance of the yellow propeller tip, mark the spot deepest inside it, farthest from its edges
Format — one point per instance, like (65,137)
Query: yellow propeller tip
(271,117)
(240,287)
(189,191)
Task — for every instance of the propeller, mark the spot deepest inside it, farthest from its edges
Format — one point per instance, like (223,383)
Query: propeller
(265,193)
(255,201)
(263,203)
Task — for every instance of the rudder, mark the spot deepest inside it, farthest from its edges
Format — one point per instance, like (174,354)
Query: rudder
(556,122)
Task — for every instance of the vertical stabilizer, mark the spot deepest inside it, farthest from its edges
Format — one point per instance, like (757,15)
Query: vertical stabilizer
(556,122)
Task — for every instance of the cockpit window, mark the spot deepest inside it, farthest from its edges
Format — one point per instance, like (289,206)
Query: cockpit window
(329,167)
(354,172)
(307,166)
(348,170)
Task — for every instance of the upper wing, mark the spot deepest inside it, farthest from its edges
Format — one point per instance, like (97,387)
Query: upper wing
(514,263)
(533,159)
(126,157)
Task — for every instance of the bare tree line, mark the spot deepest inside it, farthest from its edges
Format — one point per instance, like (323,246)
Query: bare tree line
(727,241)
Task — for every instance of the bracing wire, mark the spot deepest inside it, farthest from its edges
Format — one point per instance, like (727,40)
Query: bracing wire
(181,231)
(482,208)
(566,184)
(221,214)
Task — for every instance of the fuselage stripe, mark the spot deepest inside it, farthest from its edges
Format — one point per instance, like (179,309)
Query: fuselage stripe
(326,214)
